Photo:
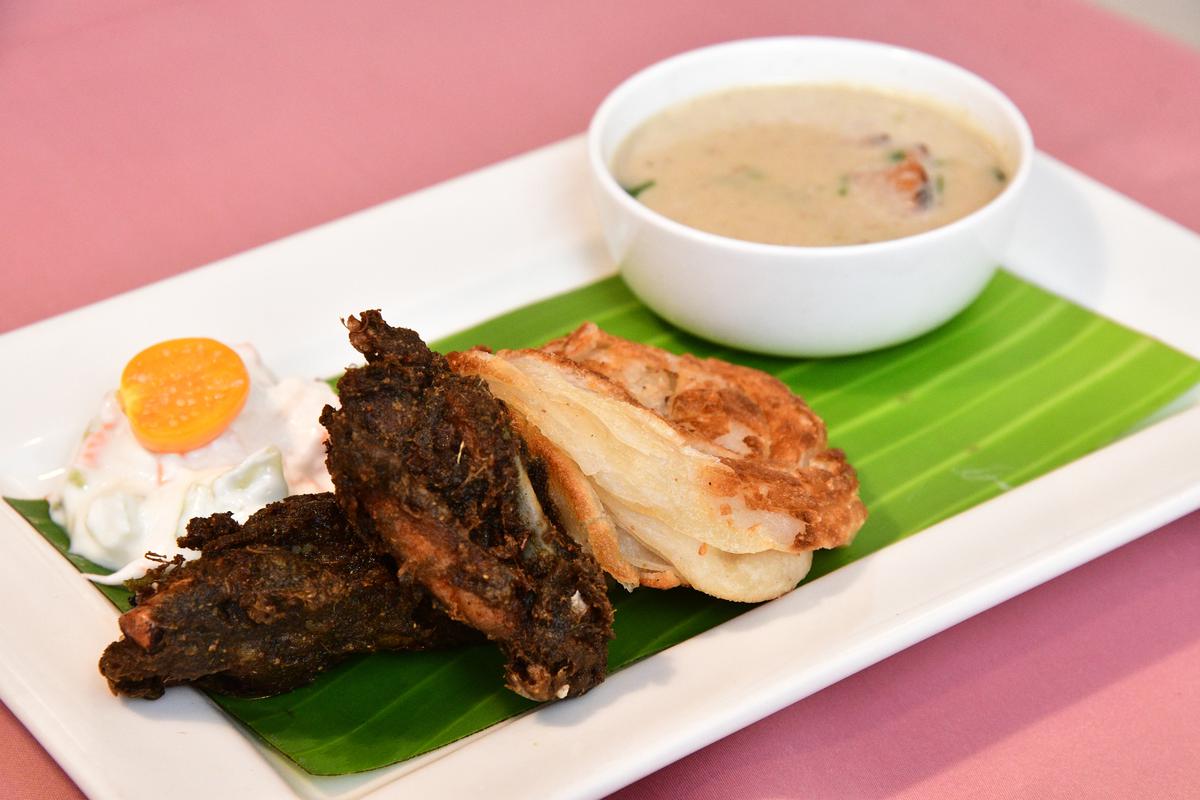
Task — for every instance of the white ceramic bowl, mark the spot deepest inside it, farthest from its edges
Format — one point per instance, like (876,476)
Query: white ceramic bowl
(792,300)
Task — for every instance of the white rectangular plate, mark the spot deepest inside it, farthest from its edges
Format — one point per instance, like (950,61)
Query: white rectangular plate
(451,256)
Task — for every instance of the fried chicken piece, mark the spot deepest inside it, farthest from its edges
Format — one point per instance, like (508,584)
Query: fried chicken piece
(677,470)
(268,605)
(426,461)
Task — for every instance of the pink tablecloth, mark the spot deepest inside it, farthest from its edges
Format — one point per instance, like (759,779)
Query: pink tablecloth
(139,139)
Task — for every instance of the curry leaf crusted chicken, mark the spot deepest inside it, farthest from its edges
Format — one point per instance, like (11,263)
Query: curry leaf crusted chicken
(268,605)
(425,461)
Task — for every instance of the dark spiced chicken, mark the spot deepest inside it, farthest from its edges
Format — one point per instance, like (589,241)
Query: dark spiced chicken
(425,462)
(268,605)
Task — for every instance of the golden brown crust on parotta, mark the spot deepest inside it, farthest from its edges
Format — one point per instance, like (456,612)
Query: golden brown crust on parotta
(707,473)
(740,409)
(768,429)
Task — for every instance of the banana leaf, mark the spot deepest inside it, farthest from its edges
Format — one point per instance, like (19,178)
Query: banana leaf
(1020,383)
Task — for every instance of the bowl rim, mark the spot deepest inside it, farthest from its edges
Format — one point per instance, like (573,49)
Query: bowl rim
(608,183)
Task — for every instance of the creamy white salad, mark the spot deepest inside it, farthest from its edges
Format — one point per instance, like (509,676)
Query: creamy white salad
(124,506)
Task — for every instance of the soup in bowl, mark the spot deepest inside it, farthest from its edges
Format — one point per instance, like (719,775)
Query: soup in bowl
(807,196)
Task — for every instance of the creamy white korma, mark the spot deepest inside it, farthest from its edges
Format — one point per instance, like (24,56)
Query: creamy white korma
(811,165)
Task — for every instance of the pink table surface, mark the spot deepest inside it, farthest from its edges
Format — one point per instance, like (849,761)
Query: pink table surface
(141,139)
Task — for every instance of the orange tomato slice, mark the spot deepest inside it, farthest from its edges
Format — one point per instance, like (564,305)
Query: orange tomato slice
(183,393)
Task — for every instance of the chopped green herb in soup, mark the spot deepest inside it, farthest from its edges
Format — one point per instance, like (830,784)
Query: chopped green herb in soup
(811,165)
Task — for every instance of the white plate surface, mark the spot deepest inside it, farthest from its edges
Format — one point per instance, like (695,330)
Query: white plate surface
(453,255)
